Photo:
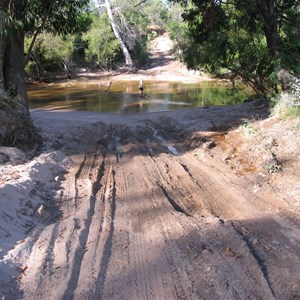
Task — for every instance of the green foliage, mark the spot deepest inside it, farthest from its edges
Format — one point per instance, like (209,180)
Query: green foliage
(287,104)
(179,31)
(58,17)
(58,48)
(98,44)
(140,52)
(290,37)
(132,22)
(80,45)
(103,47)
(243,37)
(133,19)
(10,23)
(52,52)
(156,13)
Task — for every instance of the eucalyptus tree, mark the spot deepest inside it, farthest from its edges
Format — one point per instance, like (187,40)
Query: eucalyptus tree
(129,20)
(115,28)
(127,56)
(19,17)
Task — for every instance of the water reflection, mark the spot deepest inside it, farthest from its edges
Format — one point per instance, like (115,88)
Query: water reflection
(123,96)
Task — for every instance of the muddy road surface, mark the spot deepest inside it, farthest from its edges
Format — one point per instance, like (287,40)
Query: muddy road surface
(146,210)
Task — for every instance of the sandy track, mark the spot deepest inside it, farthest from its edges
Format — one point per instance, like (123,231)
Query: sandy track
(140,221)
(150,206)
(125,238)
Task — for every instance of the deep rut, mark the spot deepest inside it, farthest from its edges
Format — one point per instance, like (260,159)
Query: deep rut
(147,226)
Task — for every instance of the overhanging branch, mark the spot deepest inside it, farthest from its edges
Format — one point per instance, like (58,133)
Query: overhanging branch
(143,1)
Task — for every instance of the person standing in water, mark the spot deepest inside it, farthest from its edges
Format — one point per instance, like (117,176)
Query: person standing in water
(141,88)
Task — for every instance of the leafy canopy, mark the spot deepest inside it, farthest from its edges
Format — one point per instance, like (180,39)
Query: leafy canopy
(59,16)
(252,39)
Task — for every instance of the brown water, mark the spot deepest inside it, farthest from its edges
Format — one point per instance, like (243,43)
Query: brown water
(123,96)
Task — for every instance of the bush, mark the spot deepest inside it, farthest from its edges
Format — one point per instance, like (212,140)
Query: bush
(103,47)
(287,104)
(51,53)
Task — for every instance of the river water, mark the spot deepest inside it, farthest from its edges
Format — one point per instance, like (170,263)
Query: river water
(123,96)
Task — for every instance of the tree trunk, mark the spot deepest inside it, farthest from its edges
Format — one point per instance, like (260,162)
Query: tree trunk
(39,68)
(268,15)
(66,68)
(17,68)
(12,75)
(125,51)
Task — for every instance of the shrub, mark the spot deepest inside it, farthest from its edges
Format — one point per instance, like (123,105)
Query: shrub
(287,105)
(103,47)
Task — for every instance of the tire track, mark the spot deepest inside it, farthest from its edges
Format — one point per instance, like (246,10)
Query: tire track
(103,191)
(94,176)
(180,273)
(173,256)
(147,274)
(48,241)
(152,244)
(176,206)
(260,262)
(182,191)
(67,246)
(179,284)
(43,270)
(167,230)
(76,179)
(110,204)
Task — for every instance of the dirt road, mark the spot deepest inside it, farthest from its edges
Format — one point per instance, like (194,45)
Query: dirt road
(144,213)
(152,206)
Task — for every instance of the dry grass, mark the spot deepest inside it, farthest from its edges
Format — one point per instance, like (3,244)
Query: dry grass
(287,106)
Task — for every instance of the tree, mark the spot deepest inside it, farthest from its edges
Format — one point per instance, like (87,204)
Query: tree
(114,26)
(103,47)
(127,56)
(19,17)
(59,50)
(249,38)
(12,50)
(133,19)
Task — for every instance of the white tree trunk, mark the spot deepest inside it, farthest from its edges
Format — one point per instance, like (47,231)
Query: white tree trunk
(114,26)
